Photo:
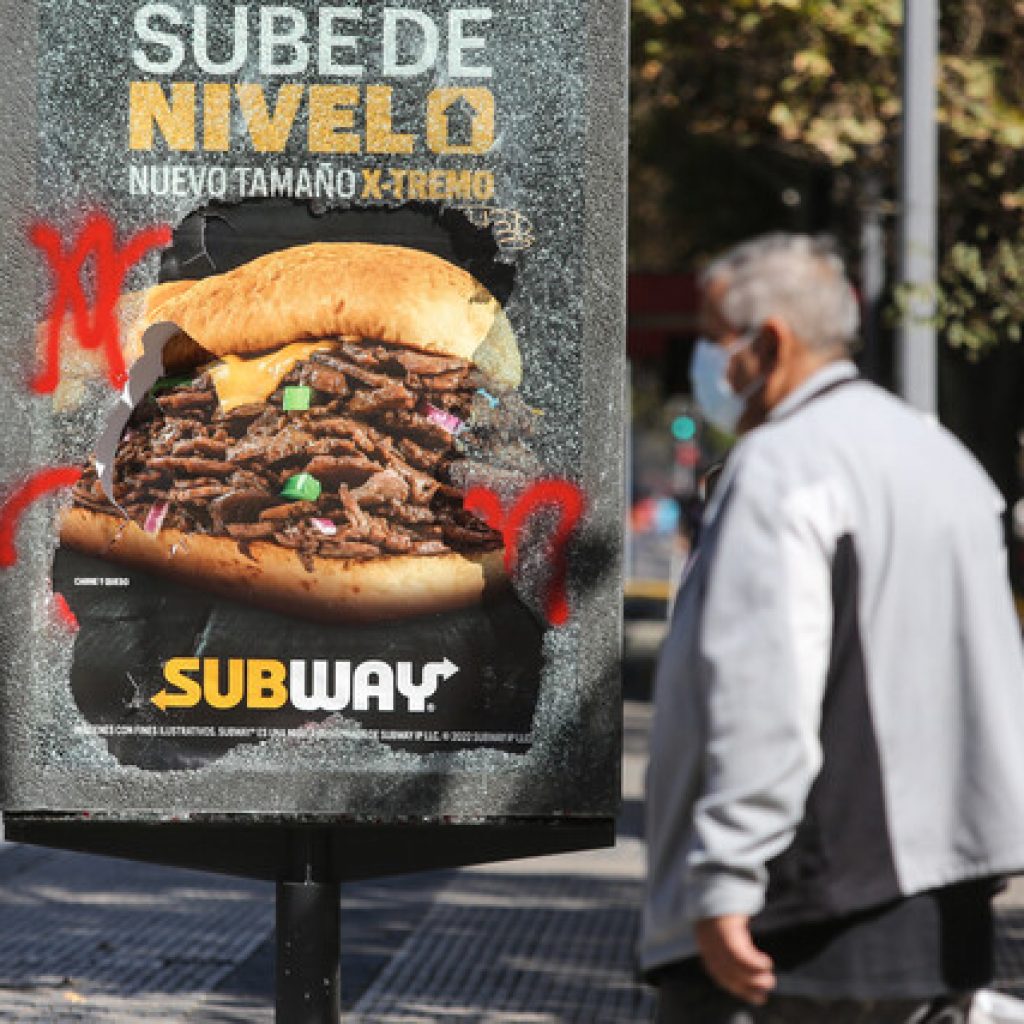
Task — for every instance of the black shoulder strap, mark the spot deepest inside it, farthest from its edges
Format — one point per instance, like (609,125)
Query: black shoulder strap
(834,385)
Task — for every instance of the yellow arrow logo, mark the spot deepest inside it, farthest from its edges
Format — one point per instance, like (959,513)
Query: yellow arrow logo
(190,692)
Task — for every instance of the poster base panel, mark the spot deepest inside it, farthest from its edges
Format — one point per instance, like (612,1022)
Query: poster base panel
(351,851)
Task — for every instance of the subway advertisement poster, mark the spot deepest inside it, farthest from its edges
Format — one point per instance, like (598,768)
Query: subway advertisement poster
(311,483)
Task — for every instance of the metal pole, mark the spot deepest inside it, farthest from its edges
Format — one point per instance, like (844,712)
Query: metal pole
(919,185)
(308,941)
(872,273)
(627,403)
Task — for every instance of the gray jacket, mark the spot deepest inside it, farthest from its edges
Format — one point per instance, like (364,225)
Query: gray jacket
(839,705)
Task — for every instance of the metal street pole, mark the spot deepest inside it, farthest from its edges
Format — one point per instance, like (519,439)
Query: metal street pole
(919,187)
(308,953)
(872,273)
(308,942)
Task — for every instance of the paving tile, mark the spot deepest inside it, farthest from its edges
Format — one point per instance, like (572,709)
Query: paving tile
(516,949)
(102,940)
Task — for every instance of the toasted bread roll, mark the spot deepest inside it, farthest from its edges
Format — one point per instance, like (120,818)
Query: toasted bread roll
(344,289)
(337,590)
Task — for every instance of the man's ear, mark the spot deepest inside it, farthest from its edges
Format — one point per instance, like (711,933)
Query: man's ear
(772,344)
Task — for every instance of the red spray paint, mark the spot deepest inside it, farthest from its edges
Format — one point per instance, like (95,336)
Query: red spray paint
(568,499)
(96,325)
(37,486)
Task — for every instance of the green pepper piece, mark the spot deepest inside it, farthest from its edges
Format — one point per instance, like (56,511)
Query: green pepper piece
(302,487)
(297,398)
(168,383)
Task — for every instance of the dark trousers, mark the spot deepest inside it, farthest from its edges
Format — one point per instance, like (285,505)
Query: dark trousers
(682,1002)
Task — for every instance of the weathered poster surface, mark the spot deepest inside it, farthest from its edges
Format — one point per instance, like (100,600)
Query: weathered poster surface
(312,390)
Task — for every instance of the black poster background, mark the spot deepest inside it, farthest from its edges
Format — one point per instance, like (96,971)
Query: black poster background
(130,628)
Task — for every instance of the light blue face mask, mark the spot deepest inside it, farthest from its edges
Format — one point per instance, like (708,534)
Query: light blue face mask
(719,402)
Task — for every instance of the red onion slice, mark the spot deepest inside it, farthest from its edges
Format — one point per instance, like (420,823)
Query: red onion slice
(155,516)
(445,420)
(327,527)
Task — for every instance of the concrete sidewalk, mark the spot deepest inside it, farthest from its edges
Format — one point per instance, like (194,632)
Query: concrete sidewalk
(90,940)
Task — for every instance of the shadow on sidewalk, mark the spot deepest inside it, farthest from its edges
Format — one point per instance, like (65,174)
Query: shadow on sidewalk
(543,949)
(93,938)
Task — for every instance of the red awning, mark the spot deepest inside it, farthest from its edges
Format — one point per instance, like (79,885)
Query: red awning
(661,307)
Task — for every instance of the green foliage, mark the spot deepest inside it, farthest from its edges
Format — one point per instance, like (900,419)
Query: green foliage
(779,88)
(981,298)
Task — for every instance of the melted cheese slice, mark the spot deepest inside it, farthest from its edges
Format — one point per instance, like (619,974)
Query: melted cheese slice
(241,381)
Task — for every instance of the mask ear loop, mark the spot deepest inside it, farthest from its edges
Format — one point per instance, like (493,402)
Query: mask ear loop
(743,341)
(747,338)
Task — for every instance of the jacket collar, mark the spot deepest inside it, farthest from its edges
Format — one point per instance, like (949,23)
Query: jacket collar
(825,379)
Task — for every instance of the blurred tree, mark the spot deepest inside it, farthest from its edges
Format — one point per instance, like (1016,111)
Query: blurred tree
(752,115)
(755,115)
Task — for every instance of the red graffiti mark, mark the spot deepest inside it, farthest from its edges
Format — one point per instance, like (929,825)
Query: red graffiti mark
(560,494)
(63,612)
(96,326)
(36,487)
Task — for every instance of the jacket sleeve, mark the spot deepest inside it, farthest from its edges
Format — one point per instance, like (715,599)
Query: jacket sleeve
(763,653)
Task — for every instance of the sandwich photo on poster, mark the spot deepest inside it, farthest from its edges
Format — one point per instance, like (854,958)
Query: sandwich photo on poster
(315,477)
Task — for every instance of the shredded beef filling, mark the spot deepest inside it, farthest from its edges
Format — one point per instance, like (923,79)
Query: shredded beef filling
(375,438)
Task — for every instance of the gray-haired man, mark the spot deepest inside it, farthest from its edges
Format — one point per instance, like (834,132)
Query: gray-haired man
(837,758)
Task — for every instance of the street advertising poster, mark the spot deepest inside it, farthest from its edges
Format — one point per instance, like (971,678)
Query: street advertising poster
(312,339)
